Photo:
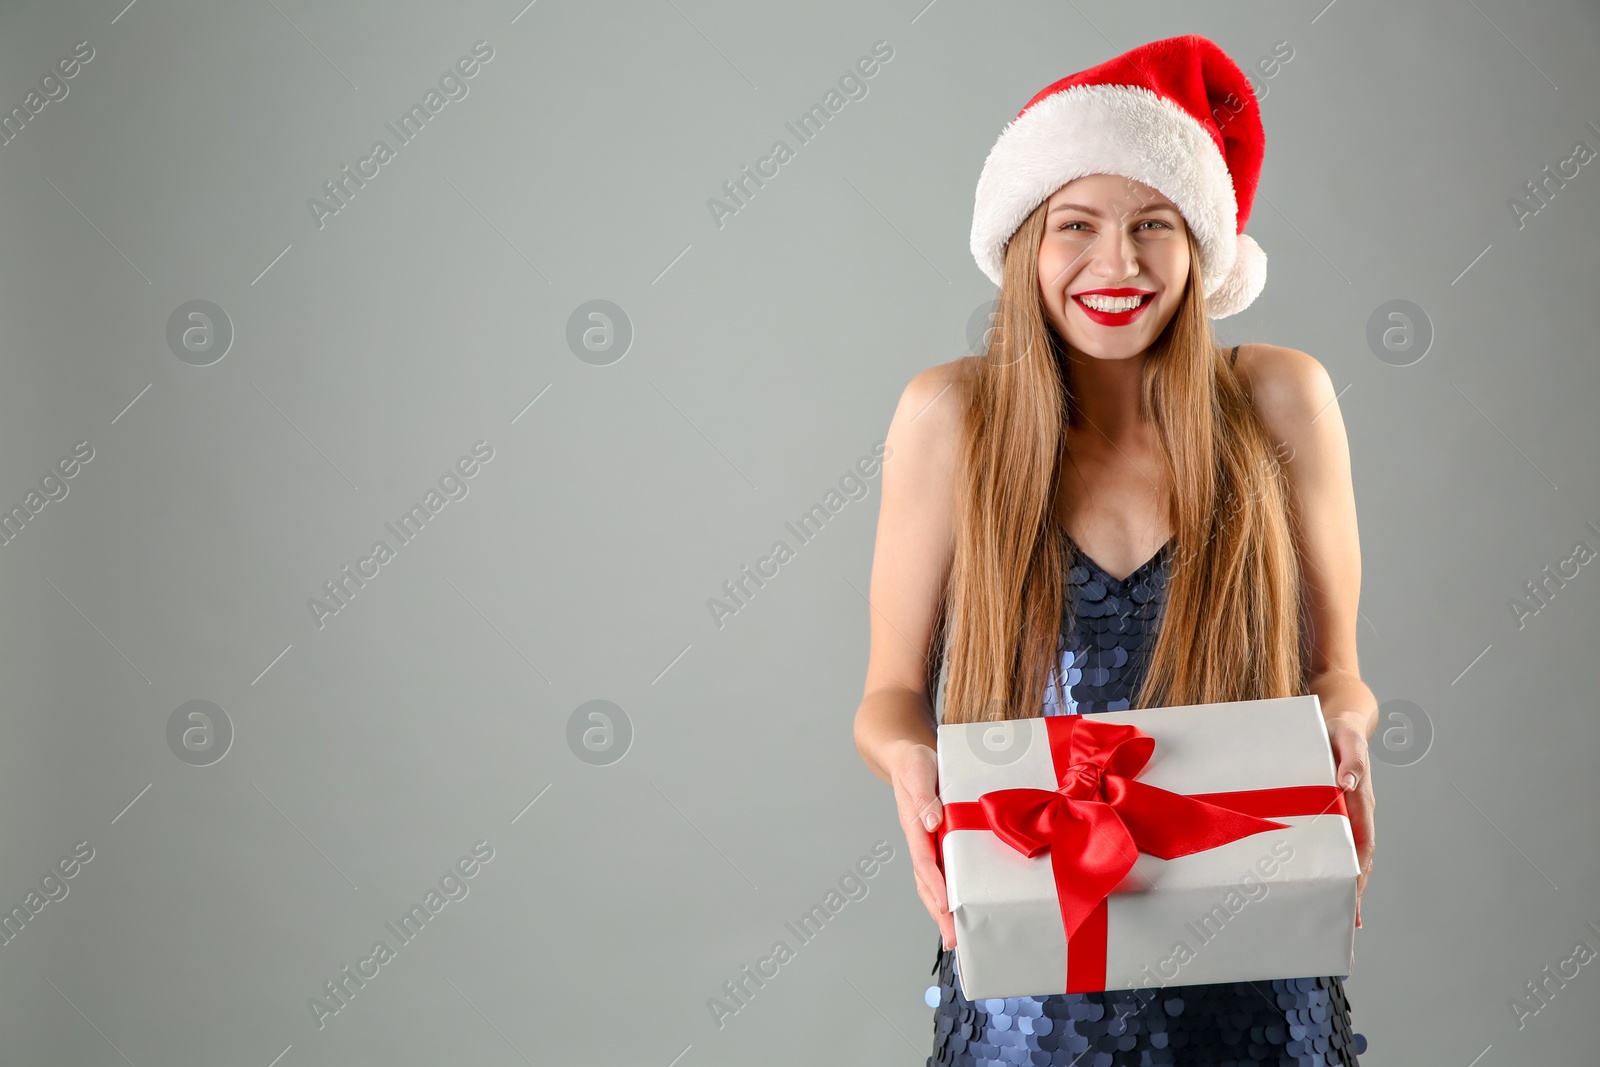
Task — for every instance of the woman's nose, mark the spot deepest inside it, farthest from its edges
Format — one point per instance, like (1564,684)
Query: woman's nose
(1113,256)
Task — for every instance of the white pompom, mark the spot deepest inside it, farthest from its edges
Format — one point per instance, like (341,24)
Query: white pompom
(1243,283)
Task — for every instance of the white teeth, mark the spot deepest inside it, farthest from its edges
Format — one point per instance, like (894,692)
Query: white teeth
(1111,303)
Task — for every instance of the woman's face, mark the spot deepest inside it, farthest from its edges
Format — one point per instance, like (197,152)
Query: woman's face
(1109,235)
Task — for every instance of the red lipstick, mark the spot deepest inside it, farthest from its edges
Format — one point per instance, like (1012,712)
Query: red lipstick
(1115,318)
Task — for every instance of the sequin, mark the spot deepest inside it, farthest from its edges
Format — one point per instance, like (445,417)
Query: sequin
(1107,629)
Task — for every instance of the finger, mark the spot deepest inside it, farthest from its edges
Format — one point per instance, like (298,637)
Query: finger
(941,916)
(1352,768)
(1366,841)
(918,787)
(920,842)
(1350,773)
(937,903)
(928,901)
(1361,886)
(925,861)
(1360,808)
(930,884)
(1369,835)
(924,857)
(925,808)
(931,890)
(926,869)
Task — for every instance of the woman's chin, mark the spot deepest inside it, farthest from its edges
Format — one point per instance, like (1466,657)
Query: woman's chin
(1100,346)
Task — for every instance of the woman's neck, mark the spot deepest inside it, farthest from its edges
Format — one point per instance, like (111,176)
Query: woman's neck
(1105,398)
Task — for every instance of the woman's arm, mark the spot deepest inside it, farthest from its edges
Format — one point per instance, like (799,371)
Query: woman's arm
(1297,402)
(894,724)
(910,563)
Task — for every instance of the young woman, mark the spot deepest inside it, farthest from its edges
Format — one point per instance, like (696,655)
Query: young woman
(1108,510)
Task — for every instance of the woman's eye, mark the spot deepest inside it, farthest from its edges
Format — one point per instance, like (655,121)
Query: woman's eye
(1157,222)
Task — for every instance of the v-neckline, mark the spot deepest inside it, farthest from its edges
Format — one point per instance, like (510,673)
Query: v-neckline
(1103,573)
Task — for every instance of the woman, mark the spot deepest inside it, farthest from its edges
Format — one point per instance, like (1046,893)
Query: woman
(1108,510)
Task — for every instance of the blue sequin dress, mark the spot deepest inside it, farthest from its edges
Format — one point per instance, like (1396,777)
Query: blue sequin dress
(1304,1021)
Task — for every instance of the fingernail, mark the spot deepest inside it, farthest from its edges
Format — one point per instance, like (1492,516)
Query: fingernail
(930,820)
(1350,781)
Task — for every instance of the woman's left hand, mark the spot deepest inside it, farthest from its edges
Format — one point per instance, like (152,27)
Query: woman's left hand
(1351,760)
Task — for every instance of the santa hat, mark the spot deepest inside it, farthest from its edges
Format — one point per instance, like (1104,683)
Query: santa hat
(1177,115)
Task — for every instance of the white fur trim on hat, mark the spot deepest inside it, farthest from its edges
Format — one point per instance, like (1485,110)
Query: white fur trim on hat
(1243,283)
(1128,131)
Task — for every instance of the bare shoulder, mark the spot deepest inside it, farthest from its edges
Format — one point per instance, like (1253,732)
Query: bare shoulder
(927,420)
(1299,407)
(939,393)
(916,524)
(1290,388)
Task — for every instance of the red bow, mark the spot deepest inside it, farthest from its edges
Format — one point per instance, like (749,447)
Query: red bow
(1098,819)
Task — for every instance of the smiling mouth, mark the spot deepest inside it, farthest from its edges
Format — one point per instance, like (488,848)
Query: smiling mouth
(1125,317)
(1143,300)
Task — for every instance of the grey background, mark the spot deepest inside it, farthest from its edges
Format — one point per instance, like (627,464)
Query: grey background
(767,357)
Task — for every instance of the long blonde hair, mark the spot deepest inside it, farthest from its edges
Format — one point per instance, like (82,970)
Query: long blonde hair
(1233,626)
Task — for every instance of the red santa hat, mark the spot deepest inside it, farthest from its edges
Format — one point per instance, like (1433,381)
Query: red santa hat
(1176,114)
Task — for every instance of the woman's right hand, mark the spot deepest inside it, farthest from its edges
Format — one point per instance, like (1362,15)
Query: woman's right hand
(914,773)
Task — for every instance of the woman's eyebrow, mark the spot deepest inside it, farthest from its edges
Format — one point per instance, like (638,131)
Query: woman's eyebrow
(1097,213)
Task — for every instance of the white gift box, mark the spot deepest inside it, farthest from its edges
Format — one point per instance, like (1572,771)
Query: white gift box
(1279,903)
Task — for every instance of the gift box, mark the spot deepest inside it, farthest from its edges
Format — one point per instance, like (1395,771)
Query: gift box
(1146,848)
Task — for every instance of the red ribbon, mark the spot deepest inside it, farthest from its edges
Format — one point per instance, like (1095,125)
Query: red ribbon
(1098,819)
